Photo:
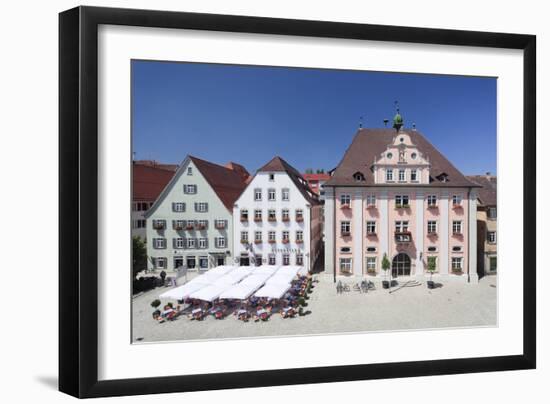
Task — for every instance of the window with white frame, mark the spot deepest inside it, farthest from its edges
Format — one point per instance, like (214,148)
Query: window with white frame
(159,224)
(139,224)
(285,194)
(202,224)
(457,226)
(401,226)
(401,200)
(203,242)
(244,237)
(189,189)
(402,177)
(271,260)
(179,242)
(271,236)
(178,206)
(271,194)
(371,227)
(220,242)
(457,200)
(299,236)
(271,177)
(432,200)
(244,215)
(299,215)
(492,213)
(299,259)
(414,175)
(286,236)
(257,215)
(191,243)
(159,243)
(345,200)
(345,228)
(345,265)
(178,224)
(189,170)
(286,259)
(432,226)
(160,262)
(371,265)
(492,237)
(258,236)
(220,223)
(258,194)
(389,175)
(285,215)
(271,215)
(371,200)
(201,206)
(456,263)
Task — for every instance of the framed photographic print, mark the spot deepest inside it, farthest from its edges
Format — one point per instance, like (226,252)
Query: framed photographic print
(251,201)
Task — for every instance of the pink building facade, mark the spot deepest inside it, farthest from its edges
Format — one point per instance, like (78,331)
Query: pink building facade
(394,194)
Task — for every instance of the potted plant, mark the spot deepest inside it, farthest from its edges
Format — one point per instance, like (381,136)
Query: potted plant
(155,304)
(385,266)
(431,270)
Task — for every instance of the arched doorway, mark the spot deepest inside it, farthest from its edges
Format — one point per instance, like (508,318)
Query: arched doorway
(401,265)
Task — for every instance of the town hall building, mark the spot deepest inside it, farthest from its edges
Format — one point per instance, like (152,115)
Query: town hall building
(395,194)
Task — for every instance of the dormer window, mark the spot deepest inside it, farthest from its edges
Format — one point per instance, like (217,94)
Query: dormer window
(189,170)
(389,156)
(402,175)
(389,175)
(443,177)
(358,176)
(414,175)
(271,177)
(413,156)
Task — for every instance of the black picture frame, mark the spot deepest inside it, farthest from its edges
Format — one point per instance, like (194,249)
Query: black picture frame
(78,195)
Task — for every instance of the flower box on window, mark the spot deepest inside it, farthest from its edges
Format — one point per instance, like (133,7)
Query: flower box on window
(272,241)
(371,206)
(346,234)
(299,218)
(299,241)
(201,227)
(257,241)
(371,233)
(286,241)
(189,227)
(244,219)
(287,219)
(158,226)
(457,205)
(346,206)
(257,219)
(272,219)
(432,206)
(220,226)
(178,227)
(243,241)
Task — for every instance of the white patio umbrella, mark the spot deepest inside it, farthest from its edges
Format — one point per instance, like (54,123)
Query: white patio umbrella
(209,293)
(273,290)
(183,292)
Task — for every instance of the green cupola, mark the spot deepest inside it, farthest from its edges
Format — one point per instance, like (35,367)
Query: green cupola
(397,119)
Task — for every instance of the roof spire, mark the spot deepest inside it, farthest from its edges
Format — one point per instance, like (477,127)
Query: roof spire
(397,119)
(361,122)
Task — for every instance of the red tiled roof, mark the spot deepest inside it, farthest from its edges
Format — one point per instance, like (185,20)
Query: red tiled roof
(148,181)
(316,176)
(156,164)
(277,164)
(226,182)
(370,143)
(238,168)
(487,194)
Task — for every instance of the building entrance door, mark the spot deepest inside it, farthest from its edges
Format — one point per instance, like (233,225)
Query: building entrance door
(244,260)
(401,265)
(178,262)
(220,261)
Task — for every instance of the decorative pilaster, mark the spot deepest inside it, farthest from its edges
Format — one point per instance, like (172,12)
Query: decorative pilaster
(419,238)
(383,231)
(472,237)
(357,233)
(443,263)
(328,230)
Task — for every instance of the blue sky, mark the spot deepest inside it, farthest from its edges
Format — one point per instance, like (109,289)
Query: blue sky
(249,114)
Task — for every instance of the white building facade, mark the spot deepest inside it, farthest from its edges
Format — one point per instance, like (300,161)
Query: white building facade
(276,220)
(190,224)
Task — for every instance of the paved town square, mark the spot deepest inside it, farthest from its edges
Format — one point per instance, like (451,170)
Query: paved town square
(454,303)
